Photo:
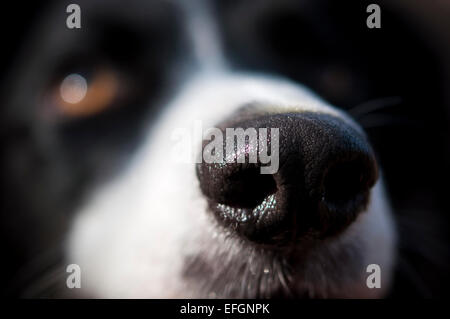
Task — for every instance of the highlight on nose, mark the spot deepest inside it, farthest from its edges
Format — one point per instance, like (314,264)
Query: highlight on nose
(325,172)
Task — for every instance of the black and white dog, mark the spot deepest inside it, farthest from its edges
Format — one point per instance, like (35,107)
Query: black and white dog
(90,176)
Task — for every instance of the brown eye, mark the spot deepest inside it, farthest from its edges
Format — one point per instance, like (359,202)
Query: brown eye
(77,96)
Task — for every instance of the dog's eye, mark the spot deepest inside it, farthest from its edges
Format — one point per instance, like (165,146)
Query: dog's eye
(82,94)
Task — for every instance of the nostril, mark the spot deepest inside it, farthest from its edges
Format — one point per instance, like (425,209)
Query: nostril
(242,198)
(345,192)
(246,188)
(235,185)
(345,181)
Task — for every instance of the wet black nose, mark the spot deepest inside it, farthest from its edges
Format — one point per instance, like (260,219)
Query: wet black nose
(321,183)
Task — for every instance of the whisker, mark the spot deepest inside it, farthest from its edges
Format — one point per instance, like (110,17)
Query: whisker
(36,272)
(50,284)
(283,278)
(414,276)
(426,246)
(374,105)
(382,120)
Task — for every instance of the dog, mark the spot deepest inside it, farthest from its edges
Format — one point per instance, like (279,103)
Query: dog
(90,171)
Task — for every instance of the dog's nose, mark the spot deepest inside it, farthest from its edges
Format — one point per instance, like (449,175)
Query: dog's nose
(325,172)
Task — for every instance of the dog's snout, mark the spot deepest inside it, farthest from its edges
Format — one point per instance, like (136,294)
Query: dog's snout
(322,182)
